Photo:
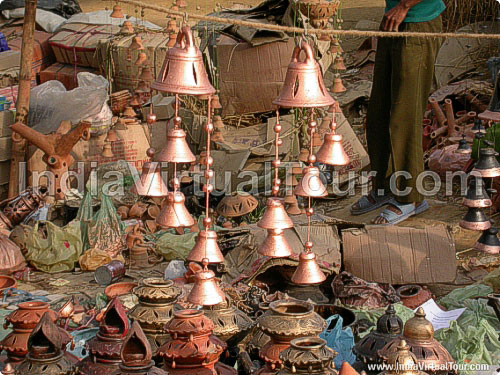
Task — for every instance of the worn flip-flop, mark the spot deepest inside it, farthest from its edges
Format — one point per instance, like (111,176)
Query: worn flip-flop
(366,206)
(407,210)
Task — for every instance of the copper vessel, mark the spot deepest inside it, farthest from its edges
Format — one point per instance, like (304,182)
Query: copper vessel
(146,74)
(275,216)
(176,149)
(136,355)
(174,214)
(183,71)
(332,152)
(193,349)
(136,44)
(285,321)
(303,86)
(13,211)
(275,245)
(338,64)
(127,28)
(475,219)
(419,335)
(107,151)
(237,204)
(338,87)
(206,247)
(231,324)
(142,59)
(11,257)
(308,271)
(117,12)
(104,349)
(155,308)
(205,290)
(23,321)
(308,355)
(150,183)
(403,362)
(310,185)
(488,242)
(129,112)
(389,327)
(487,165)
(46,350)
(476,194)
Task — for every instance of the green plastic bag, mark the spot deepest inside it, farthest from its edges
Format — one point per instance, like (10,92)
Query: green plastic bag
(59,251)
(456,298)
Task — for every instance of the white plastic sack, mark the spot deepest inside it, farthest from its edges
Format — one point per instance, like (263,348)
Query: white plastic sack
(102,17)
(51,103)
(48,21)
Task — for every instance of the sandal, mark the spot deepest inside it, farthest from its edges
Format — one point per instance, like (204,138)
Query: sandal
(365,205)
(407,210)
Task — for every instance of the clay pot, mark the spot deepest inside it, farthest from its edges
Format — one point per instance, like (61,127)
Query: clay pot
(23,321)
(119,289)
(137,210)
(153,211)
(123,212)
(285,321)
(7,282)
(412,296)
(155,309)
(151,225)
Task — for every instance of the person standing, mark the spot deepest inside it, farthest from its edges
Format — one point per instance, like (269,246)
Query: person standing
(403,75)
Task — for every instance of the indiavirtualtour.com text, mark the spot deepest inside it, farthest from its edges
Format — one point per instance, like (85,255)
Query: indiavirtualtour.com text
(469,367)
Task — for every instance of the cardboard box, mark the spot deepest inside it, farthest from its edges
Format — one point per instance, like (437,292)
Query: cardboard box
(6,119)
(400,255)
(5,148)
(4,172)
(64,73)
(125,72)
(76,43)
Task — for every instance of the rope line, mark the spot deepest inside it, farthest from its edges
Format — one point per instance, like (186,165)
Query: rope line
(289,29)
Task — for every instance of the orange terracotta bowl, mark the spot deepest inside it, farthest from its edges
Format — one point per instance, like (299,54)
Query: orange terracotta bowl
(119,289)
(7,282)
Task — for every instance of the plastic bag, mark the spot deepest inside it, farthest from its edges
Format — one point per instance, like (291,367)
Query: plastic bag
(340,340)
(51,103)
(455,299)
(59,251)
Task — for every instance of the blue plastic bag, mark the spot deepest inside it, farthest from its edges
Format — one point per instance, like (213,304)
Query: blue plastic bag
(340,340)
(4,46)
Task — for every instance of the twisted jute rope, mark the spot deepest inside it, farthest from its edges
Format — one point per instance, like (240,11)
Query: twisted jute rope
(289,29)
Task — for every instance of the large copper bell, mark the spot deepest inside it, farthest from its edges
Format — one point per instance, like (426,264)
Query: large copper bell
(205,291)
(475,219)
(176,149)
(476,194)
(275,245)
(303,86)
(275,216)
(174,214)
(183,71)
(150,183)
(332,152)
(308,271)
(206,247)
(310,185)
(487,165)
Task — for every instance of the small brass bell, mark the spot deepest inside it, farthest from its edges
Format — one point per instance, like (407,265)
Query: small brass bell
(487,165)
(174,214)
(205,291)
(275,245)
(476,194)
(303,86)
(142,59)
(475,219)
(117,12)
(176,149)
(339,63)
(111,136)
(135,102)
(332,152)
(136,44)
(338,87)
(206,247)
(304,155)
(308,271)
(107,151)
(335,47)
(127,28)
(488,242)
(183,71)
(275,216)
(129,112)
(150,183)
(146,74)
(310,185)
(215,103)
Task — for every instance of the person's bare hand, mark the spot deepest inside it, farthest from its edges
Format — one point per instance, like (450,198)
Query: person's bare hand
(394,17)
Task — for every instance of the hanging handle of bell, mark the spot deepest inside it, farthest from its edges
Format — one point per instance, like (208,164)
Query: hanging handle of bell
(185,38)
(306,47)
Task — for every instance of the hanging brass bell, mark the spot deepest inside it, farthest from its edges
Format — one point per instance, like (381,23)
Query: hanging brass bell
(275,245)
(215,103)
(183,71)
(335,47)
(338,87)
(174,214)
(176,149)
(275,216)
(142,59)
(487,165)
(488,242)
(206,247)
(127,28)
(136,44)
(205,291)
(150,183)
(303,86)
(475,219)
(339,63)
(143,86)
(476,194)
(117,12)
(308,271)
(303,155)
(146,74)
(310,185)
(332,152)
(129,112)
(107,151)
(111,136)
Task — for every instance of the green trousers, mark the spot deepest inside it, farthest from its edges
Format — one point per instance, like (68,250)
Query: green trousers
(403,75)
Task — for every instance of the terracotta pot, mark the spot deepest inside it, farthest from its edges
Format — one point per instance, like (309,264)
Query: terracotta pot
(23,321)
(308,355)
(285,321)
(7,282)
(412,296)
(137,210)
(119,289)
(153,211)
(123,212)
(155,309)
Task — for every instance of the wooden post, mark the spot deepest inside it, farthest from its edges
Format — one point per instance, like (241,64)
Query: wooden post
(19,144)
